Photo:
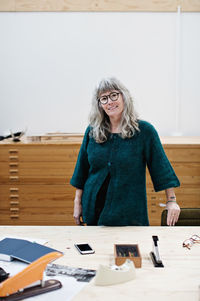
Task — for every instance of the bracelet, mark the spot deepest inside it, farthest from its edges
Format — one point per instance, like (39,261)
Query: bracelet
(171,201)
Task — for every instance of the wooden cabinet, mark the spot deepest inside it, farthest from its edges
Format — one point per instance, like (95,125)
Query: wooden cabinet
(34,183)
(35,189)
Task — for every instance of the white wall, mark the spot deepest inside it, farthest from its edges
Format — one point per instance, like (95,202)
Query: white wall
(50,63)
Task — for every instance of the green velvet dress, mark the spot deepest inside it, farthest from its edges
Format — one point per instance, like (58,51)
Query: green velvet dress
(125,160)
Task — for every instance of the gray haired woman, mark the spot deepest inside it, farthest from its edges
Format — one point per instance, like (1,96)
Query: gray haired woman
(110,173)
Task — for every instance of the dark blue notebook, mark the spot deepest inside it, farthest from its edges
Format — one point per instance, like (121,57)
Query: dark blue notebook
(23,250)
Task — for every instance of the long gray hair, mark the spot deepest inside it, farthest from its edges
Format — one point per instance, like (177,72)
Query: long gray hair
(99,120)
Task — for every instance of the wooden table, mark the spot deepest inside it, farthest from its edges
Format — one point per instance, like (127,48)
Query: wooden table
(178,280)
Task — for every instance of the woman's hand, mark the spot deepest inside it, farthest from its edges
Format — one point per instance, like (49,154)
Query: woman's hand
(172,207)
(173,213)
(77,211)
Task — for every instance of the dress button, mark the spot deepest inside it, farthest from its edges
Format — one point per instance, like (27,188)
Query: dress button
(109,163)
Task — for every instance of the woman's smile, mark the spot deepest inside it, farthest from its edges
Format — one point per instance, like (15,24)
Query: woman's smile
(112,107)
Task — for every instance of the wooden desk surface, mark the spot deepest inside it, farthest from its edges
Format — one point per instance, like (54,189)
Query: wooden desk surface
(178,280)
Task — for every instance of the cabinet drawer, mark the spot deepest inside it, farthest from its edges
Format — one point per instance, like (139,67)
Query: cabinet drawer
(6,152)
(39,153)
(187,154)
(33,218)
(188,174)
(37,195)
(36,204)
(37,172)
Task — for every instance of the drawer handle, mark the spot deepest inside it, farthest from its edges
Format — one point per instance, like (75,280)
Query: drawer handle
(14,202)
(13,157)
(13,164)
(13,170)
(14,216)
(11,151)
(153,211)
(14,196)
(14,189)
(14,209)
(14,178)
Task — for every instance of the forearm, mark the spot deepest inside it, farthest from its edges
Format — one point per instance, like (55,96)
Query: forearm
(78,195)
(78,206)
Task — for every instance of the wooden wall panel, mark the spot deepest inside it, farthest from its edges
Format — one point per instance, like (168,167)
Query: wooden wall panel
(7,5)
(190,5)
(99,5)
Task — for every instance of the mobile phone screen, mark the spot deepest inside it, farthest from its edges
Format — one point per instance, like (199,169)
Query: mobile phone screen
(84,248)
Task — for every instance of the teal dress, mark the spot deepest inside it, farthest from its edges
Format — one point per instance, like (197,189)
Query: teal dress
(125,161)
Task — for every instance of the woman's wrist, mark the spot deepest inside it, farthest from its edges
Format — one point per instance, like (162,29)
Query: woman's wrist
(171,199)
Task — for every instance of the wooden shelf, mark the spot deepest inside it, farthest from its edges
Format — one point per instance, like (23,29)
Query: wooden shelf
(99,5)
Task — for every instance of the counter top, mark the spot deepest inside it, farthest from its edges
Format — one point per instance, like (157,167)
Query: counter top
(178,280)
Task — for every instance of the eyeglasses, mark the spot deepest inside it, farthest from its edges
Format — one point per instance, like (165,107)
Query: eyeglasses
(188,243)
(113,96)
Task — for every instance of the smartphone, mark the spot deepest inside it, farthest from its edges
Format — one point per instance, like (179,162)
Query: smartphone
(84,249)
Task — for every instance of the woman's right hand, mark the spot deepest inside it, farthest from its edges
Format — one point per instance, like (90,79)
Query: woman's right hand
(77,212)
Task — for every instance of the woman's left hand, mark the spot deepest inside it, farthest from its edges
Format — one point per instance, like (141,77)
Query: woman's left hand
(173,213)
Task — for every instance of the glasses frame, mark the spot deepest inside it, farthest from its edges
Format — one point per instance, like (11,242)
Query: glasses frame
(188,243)
(109,96)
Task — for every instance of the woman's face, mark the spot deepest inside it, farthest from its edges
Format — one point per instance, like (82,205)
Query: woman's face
(115,107)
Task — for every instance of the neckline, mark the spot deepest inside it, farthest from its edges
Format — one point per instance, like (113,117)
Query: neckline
(114,134)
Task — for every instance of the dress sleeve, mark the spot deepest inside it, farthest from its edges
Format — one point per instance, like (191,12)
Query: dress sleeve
(82,165)
(160,169)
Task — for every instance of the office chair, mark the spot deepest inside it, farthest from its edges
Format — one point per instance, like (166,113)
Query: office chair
(187,217)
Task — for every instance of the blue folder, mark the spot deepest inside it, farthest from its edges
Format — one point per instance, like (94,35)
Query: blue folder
(23,250)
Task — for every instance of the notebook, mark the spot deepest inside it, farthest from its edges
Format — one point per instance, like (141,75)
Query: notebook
(23,250)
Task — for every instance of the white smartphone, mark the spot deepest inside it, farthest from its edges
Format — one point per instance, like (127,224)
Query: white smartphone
(84,249)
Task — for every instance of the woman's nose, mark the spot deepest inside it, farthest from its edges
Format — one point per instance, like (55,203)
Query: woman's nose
(109,100)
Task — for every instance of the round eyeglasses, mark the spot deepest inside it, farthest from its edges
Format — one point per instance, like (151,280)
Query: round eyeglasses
(113,96)
(188,243)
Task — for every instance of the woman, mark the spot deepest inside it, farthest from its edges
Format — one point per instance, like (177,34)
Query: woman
(110,173)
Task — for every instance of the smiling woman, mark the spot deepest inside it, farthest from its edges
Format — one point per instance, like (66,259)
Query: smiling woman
(110,171)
